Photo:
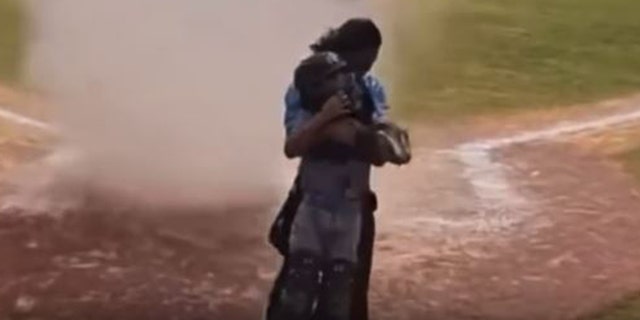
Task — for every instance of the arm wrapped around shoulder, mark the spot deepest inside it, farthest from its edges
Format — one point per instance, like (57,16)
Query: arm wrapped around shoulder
(384,142)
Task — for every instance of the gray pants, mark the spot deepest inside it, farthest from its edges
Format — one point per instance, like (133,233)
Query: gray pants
(331,235)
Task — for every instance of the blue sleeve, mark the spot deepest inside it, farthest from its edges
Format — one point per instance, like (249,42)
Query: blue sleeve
(294,115)
(379,97)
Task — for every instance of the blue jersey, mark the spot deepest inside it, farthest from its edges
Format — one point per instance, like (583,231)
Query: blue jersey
(294,114)
(327,184)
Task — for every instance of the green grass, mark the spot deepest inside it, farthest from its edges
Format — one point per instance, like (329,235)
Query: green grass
(12,29)
(463,57)
(628,309)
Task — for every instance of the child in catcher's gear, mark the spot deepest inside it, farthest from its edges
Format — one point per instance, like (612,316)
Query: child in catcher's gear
(322,252)
(337,144)
(357,42)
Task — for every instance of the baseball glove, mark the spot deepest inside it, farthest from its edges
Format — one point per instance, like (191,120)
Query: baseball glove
(393,143)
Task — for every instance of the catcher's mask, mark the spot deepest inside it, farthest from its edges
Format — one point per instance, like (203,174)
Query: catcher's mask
(323,75)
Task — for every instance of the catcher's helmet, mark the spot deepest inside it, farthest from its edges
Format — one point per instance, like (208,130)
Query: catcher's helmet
(322,75)
(314,69)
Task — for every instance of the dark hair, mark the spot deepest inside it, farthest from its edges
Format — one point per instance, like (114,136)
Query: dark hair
(353,35)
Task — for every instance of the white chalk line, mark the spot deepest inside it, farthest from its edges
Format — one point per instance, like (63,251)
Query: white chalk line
(562,129)
(30,201)
(488,178)
(26,121)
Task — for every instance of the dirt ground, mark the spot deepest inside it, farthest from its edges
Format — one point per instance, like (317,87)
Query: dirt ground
(439,255)
(108,265)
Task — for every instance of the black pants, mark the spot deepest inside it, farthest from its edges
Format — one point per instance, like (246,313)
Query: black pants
(279,236)
(360,307)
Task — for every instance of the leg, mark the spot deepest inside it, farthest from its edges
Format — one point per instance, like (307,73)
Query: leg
(276,290)
(298,284)
(338,276)
(299,288)
(279,235)
(360,307)
(337,290)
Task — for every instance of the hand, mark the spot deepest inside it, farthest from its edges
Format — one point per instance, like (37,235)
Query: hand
(336,107)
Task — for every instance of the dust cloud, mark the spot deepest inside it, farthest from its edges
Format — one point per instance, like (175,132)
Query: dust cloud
(176,101)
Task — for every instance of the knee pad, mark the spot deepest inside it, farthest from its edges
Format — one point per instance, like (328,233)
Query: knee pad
(300,287)
(337,291)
